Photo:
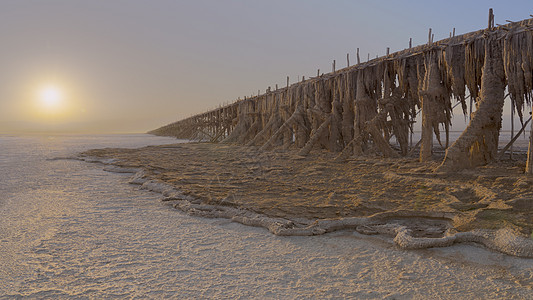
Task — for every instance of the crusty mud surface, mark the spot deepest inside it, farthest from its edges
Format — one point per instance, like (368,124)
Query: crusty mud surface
(285,185)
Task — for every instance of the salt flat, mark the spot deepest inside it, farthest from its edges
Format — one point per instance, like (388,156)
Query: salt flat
(70,229)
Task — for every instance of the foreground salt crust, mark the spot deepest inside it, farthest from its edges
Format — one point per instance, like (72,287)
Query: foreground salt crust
(503,240)
(393,224)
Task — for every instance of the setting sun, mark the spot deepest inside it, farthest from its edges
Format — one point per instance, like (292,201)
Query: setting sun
(51,102)
(50,97)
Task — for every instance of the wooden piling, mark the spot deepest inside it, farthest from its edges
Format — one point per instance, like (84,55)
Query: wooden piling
(529,163)
(491,19)
(348,59)
(512,128)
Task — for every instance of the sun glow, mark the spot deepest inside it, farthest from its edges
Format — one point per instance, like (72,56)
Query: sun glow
(48,105)
(50,98)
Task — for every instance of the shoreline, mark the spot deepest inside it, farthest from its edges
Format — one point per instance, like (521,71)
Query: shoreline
(288,194)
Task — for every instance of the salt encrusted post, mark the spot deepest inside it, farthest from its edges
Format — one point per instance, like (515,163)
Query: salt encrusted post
(322,129)
(512,129)
(478,144)
(365,110)
(426,148)
(336,143)
(347,106)
(529,164)
(302,130)
(320,117)
(295,120)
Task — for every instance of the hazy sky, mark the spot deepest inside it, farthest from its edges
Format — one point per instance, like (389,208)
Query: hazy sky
(132,66)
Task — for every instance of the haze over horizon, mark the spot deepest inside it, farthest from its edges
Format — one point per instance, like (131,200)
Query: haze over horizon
(132,66)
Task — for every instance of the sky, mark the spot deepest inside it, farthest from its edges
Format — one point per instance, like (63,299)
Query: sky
(131,66)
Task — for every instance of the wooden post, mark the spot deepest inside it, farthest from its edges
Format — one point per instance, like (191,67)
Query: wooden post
(318,73)
(491,19)
(512,127)
(429,37)
(529,164)
(410,43)
(432,79)
(287,81)
(454,31)
(471,105)
(348,59)
(358,58)
(513,139)
(411,136)
(276,86)
(333,66)
(368,57)
(388,51)
(478,144)
(315,137)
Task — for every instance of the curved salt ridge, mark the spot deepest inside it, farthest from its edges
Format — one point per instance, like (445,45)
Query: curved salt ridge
(139,178)
(115,169)
(90,159)
(106,161)
(63,158)
(503,240)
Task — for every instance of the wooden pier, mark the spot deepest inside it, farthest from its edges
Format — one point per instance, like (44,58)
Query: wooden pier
(356,110)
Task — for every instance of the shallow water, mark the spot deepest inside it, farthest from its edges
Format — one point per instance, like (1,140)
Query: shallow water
(70,229)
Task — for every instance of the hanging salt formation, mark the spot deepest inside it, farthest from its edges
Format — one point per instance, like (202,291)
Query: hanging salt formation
(478,144)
